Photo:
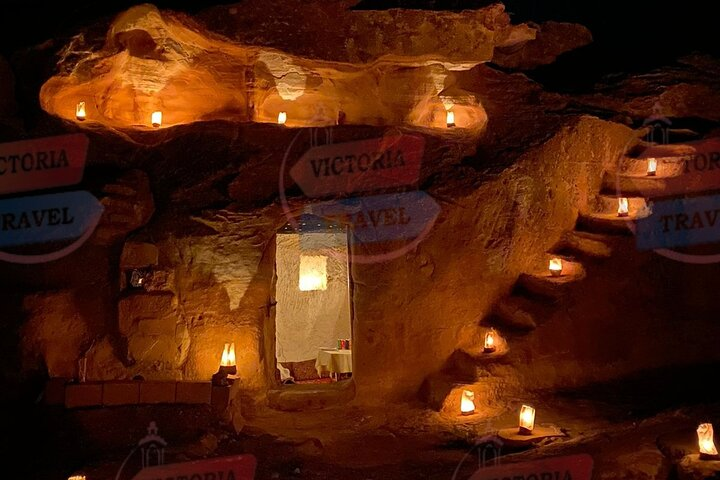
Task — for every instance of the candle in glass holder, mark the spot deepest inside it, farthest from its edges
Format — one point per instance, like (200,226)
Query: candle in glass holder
(706,442)
(555,267)
(622,210)
(80,111)
(450,118)
(527,420)
(156,119)
(489,345)
(651,167)
(282,118)
(467,402)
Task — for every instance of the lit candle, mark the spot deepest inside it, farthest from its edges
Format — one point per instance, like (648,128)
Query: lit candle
(651,167)
(282,118)
(555,267)
(489,346)
(706,442)
(80,111)
(527,420)
(156,119)
(622,207)
(450,118)
(228,356)
(467,402)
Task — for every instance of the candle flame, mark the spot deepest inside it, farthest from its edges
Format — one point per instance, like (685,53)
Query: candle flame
(490,339)
(228,356)
(282,118)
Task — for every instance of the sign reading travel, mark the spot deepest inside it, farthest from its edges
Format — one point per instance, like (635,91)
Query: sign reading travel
(238,467)
(42,163)
(680,222)
(572,467)
(47,218)
(390,161)
(382,218)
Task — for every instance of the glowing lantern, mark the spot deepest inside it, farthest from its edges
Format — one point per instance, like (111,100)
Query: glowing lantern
(228,366)
(651,167)
(228,356)
(282,118)
(313,273)
(489,346)
(80,111)
(555,267)
(527,419)
(467,402)
(450,118)
(706,441)
(622,207)
(156,119)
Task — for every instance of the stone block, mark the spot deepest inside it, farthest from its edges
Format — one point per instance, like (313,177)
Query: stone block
(55,391)
(138,255)
(220,399)
(193,392)
(83,395)
(157,326)
(137,306)
(157,392)
(121,393)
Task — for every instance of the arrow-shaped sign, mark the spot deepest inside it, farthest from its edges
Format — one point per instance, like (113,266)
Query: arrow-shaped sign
(47,218)
(342,168)
(572,467)
(42,163)
(680,222)
(238,467)
(382,218)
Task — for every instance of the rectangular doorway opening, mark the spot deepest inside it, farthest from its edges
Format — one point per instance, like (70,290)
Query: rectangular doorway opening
(313,313)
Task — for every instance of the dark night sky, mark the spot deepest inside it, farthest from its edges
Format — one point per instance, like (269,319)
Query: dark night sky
(630,35)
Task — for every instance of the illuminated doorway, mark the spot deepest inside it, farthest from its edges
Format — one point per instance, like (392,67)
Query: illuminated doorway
(313,320)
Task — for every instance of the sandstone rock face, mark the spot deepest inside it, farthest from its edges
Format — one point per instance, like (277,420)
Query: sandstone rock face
(159,61)
(128,206)
(56,332)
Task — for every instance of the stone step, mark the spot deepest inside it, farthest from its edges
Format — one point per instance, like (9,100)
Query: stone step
(583,244)
(443,391)
(604,223)
(512,313)
(547,286)
(634,185)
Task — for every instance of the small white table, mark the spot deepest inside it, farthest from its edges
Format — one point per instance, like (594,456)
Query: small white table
(333,361)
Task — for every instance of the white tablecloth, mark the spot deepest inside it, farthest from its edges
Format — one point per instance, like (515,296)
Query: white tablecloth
(333,361)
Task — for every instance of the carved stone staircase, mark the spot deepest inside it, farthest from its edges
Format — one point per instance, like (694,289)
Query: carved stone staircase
(536,295)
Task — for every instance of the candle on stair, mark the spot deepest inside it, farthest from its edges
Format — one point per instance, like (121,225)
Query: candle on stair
(622,207)
(527,420)
(651,167)
(450,118)
(282,118)
(555,267)
(156,119)
(489,345)
(80,111)
(706,442)
(467,402)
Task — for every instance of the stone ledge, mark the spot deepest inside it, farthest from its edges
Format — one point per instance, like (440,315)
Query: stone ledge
(60,391)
